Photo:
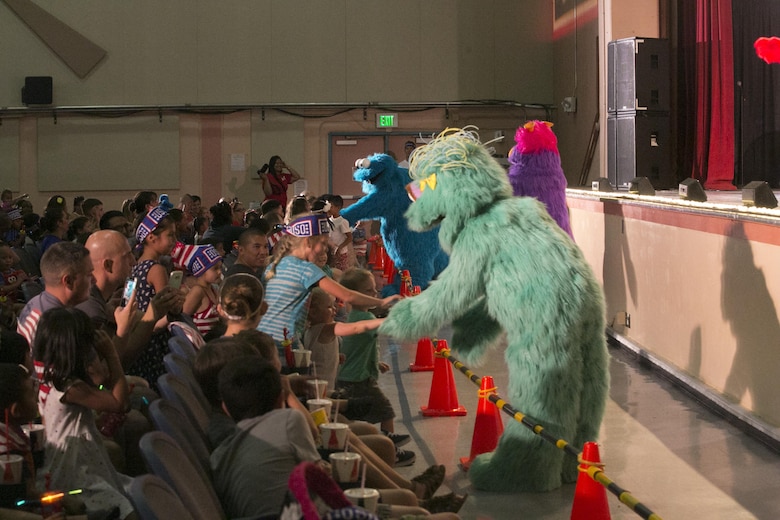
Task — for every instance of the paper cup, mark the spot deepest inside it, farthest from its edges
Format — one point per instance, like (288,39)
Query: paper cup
(318,388)
(302,358)
(11,468)
(37,435)
(316,404)
(334,436)
(345,466)
(367,498)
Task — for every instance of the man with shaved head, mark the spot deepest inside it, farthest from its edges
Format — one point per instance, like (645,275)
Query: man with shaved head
(113,261)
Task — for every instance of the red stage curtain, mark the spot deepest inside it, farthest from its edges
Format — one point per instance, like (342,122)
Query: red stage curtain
(714,135)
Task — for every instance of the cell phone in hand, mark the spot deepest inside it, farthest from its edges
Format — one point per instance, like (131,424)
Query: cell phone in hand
(128,291)
(175,279)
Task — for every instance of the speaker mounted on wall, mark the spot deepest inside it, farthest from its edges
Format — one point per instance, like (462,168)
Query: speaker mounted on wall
(37,90)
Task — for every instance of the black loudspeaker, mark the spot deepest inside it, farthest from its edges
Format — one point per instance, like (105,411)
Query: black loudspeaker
(639,145)
(690,189)
(37,90)
(758,193)
(638,76)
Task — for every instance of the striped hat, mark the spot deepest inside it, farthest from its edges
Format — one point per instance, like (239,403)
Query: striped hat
(149,224)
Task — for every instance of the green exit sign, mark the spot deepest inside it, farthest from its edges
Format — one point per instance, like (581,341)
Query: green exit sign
(386,120)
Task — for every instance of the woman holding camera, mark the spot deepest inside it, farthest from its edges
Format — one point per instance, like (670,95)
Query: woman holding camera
(276,177)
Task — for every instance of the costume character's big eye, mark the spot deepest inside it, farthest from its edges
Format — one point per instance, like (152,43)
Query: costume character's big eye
(415,189)
(362,163)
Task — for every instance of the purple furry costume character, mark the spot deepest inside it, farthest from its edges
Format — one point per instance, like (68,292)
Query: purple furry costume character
(535,170)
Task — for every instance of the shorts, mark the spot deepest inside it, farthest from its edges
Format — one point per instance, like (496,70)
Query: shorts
(366,401)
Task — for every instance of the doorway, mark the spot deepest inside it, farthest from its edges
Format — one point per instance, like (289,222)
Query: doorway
(344,149)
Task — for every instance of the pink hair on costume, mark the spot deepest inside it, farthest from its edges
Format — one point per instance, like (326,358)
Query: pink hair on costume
(535,137)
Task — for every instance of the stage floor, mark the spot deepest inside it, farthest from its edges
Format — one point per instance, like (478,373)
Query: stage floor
(676,457)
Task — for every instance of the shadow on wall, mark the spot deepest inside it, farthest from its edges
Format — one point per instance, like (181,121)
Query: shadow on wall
(618,270)
(750,311)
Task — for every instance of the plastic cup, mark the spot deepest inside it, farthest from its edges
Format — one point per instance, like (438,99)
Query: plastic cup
(345,466)
(334,436)
(37,435)
(302,358)
(11,468)
(318,388)
(367,498)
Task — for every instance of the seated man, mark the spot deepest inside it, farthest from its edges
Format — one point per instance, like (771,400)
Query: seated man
(252,253)
(251,467)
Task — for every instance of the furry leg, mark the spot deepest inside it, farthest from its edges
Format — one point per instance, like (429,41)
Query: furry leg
(474,332)
(521,462)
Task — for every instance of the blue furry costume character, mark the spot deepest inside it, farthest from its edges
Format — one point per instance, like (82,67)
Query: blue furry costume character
(513,270)
(535,170)
(386,200)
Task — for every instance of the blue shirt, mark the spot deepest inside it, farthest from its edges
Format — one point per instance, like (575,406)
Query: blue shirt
(287,295)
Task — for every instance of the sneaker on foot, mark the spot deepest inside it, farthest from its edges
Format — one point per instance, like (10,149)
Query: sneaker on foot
(404,457)
(399,439)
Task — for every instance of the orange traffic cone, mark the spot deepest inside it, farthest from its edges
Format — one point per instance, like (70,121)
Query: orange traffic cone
(590,497)
(423,361)
(443,400)
(380,257)
(487,427)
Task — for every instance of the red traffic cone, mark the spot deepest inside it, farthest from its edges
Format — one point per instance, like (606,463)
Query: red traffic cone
(380,257)
(487,427)
(424,360)
(590,497)
(443,400)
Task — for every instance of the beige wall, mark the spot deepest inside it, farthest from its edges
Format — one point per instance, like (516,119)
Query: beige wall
(275,51)
(700,290)
(234,51)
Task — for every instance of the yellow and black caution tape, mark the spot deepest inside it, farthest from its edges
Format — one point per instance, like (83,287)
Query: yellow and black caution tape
(595,472)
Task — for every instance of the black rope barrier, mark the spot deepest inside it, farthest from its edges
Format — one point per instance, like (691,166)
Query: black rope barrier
(595,472)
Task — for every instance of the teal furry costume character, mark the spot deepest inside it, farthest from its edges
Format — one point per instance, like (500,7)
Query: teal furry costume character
(386,200)
(511,269)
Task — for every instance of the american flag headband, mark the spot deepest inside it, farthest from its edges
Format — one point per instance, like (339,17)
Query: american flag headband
(308,226)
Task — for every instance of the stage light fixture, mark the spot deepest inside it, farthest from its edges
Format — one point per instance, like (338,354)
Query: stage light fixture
(602,184)
(690,189)
(759,194)
(641,186)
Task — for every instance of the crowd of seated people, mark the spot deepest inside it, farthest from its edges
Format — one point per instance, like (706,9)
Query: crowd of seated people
(199,274)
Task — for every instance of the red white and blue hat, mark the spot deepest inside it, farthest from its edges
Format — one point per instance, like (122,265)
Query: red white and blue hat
(149,223)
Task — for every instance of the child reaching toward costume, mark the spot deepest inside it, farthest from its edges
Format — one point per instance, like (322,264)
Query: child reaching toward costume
(359,374)
(323,335)
(292,274)
(84,376)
